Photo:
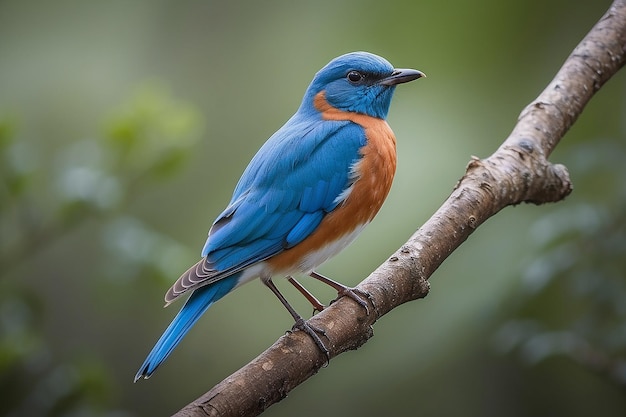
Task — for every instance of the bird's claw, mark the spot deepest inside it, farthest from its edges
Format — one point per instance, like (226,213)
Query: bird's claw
(357,295)
(314,332)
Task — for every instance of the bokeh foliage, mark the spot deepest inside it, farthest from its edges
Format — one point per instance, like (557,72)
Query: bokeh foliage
(124,128)
(572,301)
(145,141)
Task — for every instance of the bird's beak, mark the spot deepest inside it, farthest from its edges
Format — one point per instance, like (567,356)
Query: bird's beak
(400,76)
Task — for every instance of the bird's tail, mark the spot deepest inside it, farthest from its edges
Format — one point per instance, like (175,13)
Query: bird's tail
(199,301)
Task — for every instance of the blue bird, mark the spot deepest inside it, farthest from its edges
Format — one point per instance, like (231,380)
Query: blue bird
(307,193)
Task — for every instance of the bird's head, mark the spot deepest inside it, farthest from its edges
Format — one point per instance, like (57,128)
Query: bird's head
(358,82)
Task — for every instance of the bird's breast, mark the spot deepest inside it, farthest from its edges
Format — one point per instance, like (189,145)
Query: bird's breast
(375,171)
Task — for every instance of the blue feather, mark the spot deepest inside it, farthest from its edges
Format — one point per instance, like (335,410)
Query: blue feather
(303,228)
(199,301)
(286,203)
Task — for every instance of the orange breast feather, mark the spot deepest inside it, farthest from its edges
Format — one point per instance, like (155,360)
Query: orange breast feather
(376,170)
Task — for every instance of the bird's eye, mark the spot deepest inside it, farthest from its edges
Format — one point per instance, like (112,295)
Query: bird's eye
(355,76)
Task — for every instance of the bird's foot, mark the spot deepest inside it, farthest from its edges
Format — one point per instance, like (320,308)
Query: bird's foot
(315,333)
(357,295)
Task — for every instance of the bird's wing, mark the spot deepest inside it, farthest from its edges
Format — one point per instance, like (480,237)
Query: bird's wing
(289,186)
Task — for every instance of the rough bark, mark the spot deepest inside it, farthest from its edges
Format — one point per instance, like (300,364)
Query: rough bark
(517,172)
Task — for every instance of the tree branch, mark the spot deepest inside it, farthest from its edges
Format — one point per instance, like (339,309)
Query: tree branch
(517,172)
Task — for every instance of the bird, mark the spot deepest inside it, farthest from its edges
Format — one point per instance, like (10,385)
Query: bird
(308,192)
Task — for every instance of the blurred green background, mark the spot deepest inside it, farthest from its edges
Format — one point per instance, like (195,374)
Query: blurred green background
(124,127)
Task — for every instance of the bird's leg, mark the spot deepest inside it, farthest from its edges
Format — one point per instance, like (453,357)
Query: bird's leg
(355,294)
(317,305)
(300,323)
